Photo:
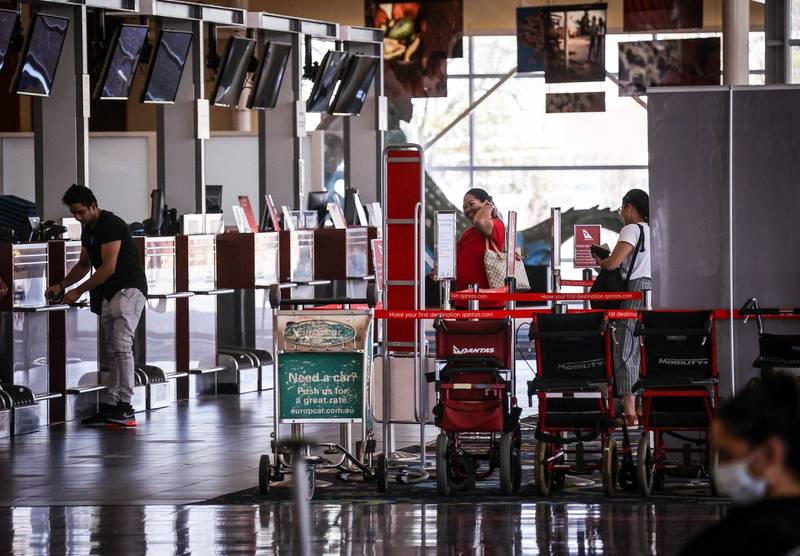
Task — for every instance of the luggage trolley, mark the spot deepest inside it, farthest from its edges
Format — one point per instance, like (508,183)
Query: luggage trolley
(476,405)
(322,374)
(678,386)
(574,386)
(776,352)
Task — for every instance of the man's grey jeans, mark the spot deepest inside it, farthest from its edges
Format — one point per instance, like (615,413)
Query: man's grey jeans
(119,318)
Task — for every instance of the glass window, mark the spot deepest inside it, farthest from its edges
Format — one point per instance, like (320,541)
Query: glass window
(795,57)
(494,55)
(795,20)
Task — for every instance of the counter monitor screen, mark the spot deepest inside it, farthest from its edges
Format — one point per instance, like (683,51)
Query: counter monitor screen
(37,71)
(121,61)
(233,71)
(327,76)
(356,82)
(270,76)
(8,23)
(166,67)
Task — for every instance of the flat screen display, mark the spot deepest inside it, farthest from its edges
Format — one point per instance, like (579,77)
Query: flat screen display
(121,61)
(325,82)
(355,85)
(37,71)
(270,76)
(166,67)
(8,22)
(233,71)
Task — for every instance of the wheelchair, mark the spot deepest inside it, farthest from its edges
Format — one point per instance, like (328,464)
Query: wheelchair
(574,386)
(476,410)
(776,352)
(679,389)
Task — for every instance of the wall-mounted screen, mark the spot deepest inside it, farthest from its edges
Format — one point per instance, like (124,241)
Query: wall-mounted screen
(325,81)
(356,81)
(166,66)
(270,76)
(8,22)
(233,71)
(37,71)
(121,61)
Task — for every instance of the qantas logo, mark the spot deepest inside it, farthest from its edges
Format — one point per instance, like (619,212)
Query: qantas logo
(587,236)
(472,351)
(581,365)
(682,362)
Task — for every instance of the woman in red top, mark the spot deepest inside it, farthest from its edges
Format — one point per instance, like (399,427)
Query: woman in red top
(479,209)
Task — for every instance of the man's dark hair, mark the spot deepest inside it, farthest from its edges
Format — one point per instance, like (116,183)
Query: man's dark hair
(769,408)
(79,194)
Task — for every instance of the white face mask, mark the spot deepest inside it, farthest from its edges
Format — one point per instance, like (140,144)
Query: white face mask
(736,482)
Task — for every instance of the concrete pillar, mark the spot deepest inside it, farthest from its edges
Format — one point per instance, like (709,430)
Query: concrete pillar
(61,121)
(735,41)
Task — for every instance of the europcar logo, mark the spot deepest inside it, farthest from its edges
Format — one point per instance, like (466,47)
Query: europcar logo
(473,351)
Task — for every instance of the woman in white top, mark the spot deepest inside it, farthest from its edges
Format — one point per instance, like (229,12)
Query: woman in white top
(635,212)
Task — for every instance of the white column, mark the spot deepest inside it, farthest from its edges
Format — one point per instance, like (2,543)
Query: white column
(735,45)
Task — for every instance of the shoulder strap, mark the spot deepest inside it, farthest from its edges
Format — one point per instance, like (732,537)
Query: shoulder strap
(639,246)
(491,245)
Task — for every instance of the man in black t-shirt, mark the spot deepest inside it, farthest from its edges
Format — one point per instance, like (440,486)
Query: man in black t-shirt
(118,289)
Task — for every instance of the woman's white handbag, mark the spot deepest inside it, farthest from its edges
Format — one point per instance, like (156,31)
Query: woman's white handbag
(495,262)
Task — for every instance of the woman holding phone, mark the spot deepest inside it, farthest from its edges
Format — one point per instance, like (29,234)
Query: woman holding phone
(635,213)
(487,228)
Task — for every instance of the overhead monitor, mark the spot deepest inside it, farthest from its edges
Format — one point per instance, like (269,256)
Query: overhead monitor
(8,23)
(356,81)
(166,67)
(270,76)
(121,62)
(233,71)
(328,74)
(37,71)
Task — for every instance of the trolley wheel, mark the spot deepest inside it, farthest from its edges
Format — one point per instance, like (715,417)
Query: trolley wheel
(311,477)
(510,465)
(543,479)
(627,476)
(443,465)
(609,467)
(382,474)
(713,466)
(645,465)
(659,481)
(264,471)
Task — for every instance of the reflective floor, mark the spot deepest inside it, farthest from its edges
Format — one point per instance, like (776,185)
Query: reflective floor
(447,528)
(69,489)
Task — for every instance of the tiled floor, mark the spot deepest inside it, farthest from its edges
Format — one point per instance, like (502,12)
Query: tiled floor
(68,489)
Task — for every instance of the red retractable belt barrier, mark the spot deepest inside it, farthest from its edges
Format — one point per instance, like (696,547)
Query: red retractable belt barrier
(579,283)
(500,296)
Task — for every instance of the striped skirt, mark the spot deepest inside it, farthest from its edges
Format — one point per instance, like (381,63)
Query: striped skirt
(627,355)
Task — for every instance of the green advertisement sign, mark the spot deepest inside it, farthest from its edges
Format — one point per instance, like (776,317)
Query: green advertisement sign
(321,386)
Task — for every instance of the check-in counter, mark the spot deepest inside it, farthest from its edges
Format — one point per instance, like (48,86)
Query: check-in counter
(249,264)
(74,361)
(347,253)
(156,349)
(24,331)
(197,273)
(297,256)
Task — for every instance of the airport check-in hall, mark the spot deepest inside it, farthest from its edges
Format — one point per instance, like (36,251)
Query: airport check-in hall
(432,277)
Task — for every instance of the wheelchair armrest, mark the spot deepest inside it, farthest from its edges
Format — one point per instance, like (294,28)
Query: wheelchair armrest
(661,332)
(564,335)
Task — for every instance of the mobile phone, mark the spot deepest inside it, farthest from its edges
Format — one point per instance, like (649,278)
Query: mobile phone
(600,252)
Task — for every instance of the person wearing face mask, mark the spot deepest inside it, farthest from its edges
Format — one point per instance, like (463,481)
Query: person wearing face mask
(635,213)
(757,434)
(486,224)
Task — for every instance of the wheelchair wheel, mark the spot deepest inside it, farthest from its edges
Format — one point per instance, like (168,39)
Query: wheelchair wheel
(609,467)
(543,480)
(382,474)
(645,465)
(264,471)
(627,477)
(510,465)
(443,465)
